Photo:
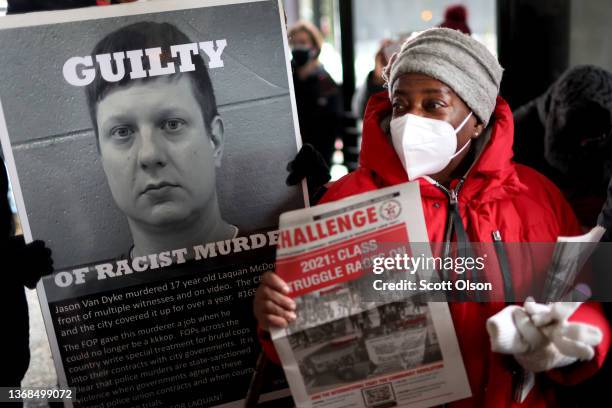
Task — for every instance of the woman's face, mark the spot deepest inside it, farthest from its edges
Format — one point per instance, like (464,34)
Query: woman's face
(301,39)
(421,95)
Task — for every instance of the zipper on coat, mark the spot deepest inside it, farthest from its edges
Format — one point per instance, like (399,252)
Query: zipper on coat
(504,266)
(452,214)
(452,195)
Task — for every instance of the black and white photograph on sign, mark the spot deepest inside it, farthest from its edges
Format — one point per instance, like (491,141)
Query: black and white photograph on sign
(390,338)
(147,145)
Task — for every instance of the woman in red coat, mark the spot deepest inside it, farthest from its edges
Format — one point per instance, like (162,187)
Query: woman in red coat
(443,125)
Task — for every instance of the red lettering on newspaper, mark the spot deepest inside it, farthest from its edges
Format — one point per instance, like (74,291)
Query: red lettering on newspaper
(337,263)
(328,228)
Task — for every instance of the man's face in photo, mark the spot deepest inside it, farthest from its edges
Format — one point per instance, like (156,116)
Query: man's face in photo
(157,154)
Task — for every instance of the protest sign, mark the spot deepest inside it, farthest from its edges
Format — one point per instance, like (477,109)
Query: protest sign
(147,145)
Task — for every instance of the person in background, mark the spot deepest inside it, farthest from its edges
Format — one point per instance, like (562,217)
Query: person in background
(317,95)
(455,17)
(566,134)
(22,265)
(443,125)
(374,81)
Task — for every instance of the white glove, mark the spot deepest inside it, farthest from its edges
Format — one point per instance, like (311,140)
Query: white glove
(572,339)
(541,354)
(505,337)
(504,333)
(540,337)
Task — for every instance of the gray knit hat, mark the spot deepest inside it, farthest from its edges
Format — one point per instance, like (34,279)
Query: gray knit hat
(458,60)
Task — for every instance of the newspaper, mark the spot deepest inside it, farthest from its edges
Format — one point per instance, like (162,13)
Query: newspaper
(343,351)
(570,255)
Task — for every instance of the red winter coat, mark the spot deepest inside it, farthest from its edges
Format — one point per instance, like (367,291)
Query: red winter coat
(497,195)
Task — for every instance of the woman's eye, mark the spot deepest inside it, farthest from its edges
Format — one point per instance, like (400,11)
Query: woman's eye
(173,125)
(435,104)
(121,132)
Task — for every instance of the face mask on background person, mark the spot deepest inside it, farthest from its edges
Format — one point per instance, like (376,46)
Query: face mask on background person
(425,146)
(301,56)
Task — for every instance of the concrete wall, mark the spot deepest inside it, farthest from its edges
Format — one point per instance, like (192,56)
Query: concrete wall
(68,201)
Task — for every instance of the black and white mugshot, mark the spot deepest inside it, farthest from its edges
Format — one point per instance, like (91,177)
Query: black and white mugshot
(160,137)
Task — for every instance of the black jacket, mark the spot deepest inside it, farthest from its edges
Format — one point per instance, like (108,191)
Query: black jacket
(566,134)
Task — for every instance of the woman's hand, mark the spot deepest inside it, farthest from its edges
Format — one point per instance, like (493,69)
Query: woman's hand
(272,306)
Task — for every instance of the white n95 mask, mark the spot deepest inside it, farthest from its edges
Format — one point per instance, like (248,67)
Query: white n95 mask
(425,146)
